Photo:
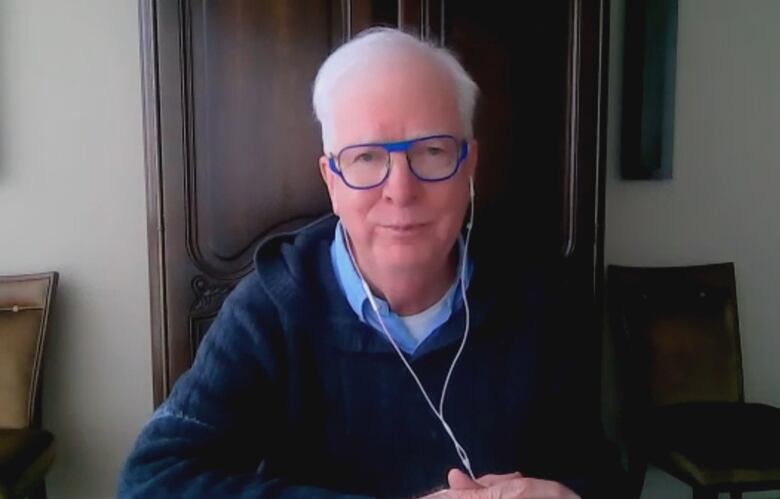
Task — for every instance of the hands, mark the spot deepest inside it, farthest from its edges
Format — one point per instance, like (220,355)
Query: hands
(509,486)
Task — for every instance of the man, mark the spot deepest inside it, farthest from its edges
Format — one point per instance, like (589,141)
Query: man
(368,355)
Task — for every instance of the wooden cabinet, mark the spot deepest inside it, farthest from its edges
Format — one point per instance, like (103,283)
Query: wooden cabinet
(232,144)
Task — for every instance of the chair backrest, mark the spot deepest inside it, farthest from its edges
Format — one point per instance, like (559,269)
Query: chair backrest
(25,302)
(680,330)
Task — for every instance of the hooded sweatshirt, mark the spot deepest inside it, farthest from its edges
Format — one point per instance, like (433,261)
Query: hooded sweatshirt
(292,396)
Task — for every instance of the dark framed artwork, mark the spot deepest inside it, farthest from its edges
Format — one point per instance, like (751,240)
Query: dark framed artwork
(649,71)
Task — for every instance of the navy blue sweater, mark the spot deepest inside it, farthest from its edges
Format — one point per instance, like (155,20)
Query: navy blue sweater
(290,395)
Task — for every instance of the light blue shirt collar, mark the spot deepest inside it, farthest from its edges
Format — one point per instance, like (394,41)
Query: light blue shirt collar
(350,283)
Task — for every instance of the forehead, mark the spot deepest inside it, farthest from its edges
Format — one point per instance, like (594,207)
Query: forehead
(396,97)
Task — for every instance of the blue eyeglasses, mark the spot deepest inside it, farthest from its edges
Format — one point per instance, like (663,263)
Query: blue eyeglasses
(431,159)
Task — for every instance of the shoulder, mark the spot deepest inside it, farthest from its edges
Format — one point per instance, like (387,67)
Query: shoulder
(286,257)
(286,266)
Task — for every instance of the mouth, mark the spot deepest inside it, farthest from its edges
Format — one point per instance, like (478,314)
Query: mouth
(403,229)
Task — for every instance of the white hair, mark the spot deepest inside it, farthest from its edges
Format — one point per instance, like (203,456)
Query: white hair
(372,43)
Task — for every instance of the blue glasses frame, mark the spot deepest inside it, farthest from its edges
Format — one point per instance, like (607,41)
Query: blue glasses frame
(401,146)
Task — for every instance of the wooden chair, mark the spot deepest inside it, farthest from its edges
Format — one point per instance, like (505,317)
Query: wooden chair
(679,341)
(26,449)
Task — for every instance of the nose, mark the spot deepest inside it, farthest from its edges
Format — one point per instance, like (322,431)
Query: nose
(401,186)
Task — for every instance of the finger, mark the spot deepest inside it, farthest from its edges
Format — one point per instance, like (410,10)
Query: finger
(492,479)
(515,488)
(529,488)
(442,494)
(461,481)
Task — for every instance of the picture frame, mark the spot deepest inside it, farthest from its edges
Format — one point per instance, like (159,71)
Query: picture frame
(649,78)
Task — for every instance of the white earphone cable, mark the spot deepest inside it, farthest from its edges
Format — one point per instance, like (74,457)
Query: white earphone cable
(440,412)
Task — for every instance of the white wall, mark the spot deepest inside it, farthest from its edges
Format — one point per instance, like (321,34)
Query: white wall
(72,199)
(723,203)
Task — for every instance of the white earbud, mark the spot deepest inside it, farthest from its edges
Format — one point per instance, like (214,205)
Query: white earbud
(471,196)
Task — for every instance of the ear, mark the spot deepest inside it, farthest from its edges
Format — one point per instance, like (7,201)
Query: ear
(330,179)
(471,158)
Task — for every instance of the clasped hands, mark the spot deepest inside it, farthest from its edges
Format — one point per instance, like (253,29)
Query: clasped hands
(508,486)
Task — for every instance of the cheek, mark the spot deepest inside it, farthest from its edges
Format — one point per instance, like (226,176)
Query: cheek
(450,206)
(348,201)
(354,208)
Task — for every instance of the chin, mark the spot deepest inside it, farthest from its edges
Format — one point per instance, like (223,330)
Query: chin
(405,259)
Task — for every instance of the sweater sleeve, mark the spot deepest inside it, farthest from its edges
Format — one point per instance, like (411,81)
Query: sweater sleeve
(209,437)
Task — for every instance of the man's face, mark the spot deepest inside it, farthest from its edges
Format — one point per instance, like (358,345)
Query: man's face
(404,224)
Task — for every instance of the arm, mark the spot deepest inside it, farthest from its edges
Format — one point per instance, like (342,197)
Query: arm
(208,438)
